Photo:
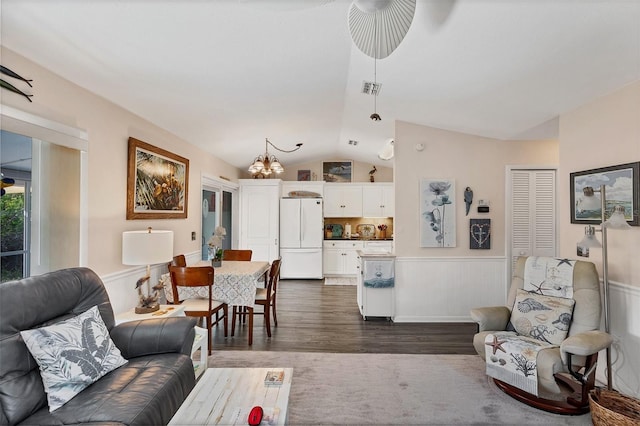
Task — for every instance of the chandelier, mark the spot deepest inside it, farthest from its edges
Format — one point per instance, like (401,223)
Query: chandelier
(265,165)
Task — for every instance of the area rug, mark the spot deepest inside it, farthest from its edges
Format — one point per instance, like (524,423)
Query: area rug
(340,281)
(388,389)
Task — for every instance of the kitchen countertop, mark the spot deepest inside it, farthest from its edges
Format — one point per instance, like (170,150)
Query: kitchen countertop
(362,253)
(357,239)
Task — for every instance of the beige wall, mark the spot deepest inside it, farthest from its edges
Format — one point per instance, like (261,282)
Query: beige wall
(360,171)
(602,133)
(109,128)
(473,161)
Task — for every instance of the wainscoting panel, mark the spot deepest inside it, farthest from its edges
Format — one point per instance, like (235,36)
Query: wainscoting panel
(445,289)
(121,285)
(625,328)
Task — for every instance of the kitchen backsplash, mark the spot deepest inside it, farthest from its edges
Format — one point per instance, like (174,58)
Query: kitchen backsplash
(366,227)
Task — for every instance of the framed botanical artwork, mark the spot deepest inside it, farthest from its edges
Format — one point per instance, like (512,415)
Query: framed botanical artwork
(304,175)
(157,183)
(621,188)
(437,213)
(337,171)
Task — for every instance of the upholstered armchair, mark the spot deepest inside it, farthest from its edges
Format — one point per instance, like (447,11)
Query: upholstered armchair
(555,324)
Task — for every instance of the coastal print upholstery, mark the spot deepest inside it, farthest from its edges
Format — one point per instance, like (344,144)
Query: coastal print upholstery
(72,354)
(546,318)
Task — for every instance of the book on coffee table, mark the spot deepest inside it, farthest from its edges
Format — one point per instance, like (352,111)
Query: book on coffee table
(274,377)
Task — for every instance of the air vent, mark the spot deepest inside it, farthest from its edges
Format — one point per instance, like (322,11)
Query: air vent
(352,142)
(371,88)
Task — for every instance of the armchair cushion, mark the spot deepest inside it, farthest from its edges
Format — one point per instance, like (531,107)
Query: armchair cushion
(72,354)
(546,318)
(586,343)
(492,318)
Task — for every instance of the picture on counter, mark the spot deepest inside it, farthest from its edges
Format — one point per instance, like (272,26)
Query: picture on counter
(336,171)
(480,230)
(437,213)
(304,175)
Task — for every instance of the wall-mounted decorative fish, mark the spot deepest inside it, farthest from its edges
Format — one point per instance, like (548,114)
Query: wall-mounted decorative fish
(14,89)
(7,71)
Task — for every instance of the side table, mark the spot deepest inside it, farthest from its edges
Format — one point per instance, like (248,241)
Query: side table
(165,311)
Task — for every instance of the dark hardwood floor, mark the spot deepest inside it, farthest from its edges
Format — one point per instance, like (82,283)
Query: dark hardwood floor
(313,317)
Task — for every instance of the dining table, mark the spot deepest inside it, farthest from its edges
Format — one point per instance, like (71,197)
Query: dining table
(234,283)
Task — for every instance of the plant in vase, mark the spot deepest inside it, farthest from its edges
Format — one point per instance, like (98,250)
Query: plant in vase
(215,246)
(383,230)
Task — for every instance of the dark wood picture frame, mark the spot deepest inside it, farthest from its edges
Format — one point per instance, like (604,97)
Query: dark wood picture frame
(157,183)
(617,180)
(337,171)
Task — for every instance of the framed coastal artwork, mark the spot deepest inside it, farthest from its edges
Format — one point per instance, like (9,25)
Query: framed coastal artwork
(437,213)
(621,188)
(157,183)
(337,171)
(304,175)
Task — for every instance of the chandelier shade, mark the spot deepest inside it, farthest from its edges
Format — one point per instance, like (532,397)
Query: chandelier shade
(266,164)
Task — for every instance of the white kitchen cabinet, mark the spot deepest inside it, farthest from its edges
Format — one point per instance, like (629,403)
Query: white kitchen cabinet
(378,200)
(342,200)
(341,257)
(376,282)
(260,218)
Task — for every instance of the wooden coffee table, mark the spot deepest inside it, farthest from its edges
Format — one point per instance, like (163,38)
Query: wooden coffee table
(224,396)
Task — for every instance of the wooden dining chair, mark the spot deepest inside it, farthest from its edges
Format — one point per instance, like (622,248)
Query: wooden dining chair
(243,255)
(199,276)
(265,298)
(179,260)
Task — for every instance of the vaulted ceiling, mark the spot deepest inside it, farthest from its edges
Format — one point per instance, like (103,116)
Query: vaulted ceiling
(227,74)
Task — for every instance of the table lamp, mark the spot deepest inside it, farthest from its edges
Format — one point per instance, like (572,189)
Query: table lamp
(146,248)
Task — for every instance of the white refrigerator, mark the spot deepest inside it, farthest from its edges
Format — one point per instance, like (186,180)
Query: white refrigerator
(301,235)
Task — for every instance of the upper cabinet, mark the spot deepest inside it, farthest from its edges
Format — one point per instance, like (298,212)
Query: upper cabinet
(378,200)
(342,200)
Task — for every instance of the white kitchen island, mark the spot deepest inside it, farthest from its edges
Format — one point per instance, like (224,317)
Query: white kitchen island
(376,284)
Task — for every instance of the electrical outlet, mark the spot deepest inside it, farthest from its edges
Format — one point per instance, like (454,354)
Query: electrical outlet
(193,236)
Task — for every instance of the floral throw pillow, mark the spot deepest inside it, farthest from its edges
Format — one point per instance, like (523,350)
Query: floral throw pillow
(72,354)
(546,318)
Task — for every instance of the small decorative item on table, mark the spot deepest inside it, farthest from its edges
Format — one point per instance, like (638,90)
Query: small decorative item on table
(274,378)
(382,228)
(215,246)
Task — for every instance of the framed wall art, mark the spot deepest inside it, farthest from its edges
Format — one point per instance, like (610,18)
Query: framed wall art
(437,213)
(621,188)
(480,230)
(337,171)
(157,183)
(304,175)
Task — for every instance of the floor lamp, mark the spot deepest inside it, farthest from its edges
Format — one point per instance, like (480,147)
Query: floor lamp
(615,221)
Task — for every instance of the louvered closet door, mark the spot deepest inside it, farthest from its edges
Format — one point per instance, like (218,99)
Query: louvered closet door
(533,213)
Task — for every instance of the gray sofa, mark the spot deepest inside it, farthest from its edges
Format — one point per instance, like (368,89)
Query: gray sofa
(147,390)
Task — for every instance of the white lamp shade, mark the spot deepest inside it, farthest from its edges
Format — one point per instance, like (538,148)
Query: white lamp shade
(147,247)
(617,219)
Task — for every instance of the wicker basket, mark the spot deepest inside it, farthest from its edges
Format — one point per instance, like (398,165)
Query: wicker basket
(613,408)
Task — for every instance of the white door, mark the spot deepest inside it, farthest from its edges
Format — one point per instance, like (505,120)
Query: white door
(260,219)
(532,212)
(311,223)
(290,223)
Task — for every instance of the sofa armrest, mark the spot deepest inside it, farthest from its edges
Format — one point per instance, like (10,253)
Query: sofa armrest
(586,343)
(154,336)
(494,318)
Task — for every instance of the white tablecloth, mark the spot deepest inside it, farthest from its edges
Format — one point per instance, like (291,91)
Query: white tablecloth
(234,283)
